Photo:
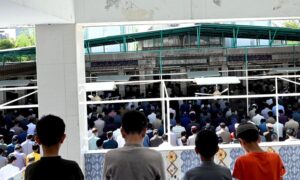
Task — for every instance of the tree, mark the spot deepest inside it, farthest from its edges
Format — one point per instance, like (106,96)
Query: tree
(24,40)
(292,24)
(6,44)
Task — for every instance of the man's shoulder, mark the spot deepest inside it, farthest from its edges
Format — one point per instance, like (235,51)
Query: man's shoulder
(198,171)
(123,150)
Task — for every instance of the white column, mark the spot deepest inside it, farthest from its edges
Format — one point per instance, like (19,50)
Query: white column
(121,87)
(60,74)
(183,85)
(2,97)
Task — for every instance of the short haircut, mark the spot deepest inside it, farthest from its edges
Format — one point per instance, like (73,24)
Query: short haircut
(35,147)
(222,125)
(99,143)
(247,132)
(207,143)
(280,111)
(270,113)
(165,137)
(134,122)
(109,134)
(290,132)
(11,158)
(50,129)
(29,136)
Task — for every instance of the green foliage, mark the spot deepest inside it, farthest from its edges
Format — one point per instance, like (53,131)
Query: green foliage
(292,24)
(6,44)
(24,41)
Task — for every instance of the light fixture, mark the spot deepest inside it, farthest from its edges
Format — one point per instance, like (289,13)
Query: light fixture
(100,86)
(216,80)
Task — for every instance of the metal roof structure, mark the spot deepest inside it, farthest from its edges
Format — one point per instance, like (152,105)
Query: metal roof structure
(210,30)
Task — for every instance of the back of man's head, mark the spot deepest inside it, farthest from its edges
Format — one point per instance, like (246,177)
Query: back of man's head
(222,125)
(207,143)
(50,129)
(109,134)
(248,132)
(35,147)
(134,122)
(11,158)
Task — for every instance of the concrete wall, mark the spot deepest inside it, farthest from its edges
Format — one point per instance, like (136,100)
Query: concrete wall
(95,11)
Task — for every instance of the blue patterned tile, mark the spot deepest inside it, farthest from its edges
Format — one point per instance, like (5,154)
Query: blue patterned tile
(234,154)
(290,156)
(189,160)
(94,164)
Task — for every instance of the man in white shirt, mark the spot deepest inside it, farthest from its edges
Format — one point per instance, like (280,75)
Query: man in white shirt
(192,138)
(224,134)
(292,124)
(274,109)
(256,119)
(31,127)
(265,111)
(9,170)
(93,139)
(165,141)
(152,117)
(278,128)
(20,157)
(99,124)
(27,145)
(178,129)
(3,160)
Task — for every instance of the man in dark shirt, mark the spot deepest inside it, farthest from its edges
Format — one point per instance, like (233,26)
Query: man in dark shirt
(51,134)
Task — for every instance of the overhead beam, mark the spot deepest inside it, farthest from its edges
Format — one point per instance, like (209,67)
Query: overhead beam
(146,11)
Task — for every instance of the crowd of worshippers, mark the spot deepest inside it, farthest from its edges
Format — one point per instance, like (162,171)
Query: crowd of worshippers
(17,145)
(187,118)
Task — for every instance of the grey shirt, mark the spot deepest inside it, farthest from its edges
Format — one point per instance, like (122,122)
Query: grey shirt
(133,162)
(208,170)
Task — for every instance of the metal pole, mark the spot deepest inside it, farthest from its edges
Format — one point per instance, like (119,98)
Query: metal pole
(163,108)
(276,113)
(247,79)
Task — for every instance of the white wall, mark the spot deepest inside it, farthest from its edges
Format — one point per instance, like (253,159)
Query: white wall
(95,11)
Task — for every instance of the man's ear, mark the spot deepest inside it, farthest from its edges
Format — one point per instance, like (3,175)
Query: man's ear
(37,139)
(259,139)
(123,133)
(196,150)
(62,138)
(143,133)
(241,141)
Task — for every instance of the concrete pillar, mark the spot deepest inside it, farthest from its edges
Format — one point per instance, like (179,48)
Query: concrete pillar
(142,86)
(121,87)
(60,75)
(2,97)
(183,85)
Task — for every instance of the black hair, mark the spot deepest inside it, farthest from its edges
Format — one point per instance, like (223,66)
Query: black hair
(99,143)
(250,135)
(134,122)
(11,158)
(50,129)
(109,134)
(207,143)
(290,132)
(35,147)
(270,113)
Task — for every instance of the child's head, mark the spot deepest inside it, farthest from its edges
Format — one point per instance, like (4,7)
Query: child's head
(247,133)
(134,122)
(50,130)
(206,144)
